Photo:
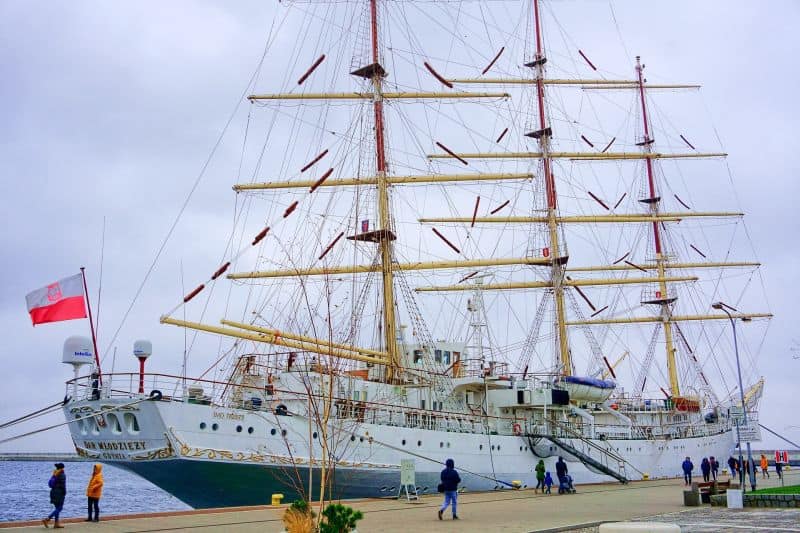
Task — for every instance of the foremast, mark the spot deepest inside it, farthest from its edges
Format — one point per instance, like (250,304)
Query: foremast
(558,263)
(661,258)
(385,231)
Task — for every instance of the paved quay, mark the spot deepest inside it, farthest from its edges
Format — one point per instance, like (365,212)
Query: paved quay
(511,511)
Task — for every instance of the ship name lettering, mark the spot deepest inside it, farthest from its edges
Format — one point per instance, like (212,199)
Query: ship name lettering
(227,416)
(114,445)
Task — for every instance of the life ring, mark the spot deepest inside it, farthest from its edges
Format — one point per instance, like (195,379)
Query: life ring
(517,429)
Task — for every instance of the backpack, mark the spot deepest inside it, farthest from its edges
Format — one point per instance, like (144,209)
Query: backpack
(51,482)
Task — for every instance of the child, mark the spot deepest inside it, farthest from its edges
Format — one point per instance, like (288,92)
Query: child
(548,482)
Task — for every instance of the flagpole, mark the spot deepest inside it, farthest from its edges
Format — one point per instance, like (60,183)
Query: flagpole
(91,326)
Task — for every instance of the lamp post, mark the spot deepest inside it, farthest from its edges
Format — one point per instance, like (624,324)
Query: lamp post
(750,465)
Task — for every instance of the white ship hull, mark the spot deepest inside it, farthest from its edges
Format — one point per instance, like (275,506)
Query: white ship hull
(177,449)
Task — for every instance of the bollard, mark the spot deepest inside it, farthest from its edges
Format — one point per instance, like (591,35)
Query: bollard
(276,499)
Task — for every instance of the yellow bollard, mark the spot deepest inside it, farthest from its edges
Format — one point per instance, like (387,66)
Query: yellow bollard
(276,499)
(645,477)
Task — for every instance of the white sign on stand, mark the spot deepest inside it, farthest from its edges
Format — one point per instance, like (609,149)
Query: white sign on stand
(408,481)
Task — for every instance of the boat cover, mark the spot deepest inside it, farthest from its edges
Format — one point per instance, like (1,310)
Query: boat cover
(592,382)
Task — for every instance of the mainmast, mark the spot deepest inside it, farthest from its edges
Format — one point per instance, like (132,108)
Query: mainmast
(558,263)
(385,233)
(662,297)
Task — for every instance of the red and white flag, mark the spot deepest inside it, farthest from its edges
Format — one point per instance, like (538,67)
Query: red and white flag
(62,300)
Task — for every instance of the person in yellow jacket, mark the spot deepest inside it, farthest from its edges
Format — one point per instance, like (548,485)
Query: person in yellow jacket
(94,491)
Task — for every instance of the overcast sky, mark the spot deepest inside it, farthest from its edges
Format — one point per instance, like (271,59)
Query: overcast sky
(109,111)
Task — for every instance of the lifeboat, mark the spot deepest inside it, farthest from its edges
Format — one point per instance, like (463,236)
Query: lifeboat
(686,404)
(585,388)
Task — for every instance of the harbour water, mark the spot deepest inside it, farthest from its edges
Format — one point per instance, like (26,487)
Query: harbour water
(24,494)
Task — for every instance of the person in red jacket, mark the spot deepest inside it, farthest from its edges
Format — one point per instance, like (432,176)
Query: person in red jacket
(93,492)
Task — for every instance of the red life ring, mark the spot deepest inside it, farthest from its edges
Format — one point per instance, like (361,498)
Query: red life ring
(517,429)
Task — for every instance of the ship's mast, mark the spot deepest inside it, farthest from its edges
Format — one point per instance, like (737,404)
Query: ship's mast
(385,242)
(557,262)
(662,298)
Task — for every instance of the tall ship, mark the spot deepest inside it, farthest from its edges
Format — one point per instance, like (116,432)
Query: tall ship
(455,235)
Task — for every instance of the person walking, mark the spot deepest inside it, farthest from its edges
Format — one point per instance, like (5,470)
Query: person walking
(539,476)
(779,469)
(548,482)
(687,471)
(450,480)
(58,491)
(714,467)
(732,464)
(705,467)
(764,466)
(94,490)
(561,469)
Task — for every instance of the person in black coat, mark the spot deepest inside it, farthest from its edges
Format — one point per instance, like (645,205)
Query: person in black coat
(714,467)
(705,467)
(58,491)
(687,471)
(450,480)
(561,469)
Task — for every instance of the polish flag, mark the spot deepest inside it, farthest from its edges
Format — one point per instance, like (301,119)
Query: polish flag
(62,300)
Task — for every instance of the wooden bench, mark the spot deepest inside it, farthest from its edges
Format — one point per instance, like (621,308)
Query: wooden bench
(707,488)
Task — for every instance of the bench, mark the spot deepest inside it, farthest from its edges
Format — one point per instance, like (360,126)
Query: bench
(702,492)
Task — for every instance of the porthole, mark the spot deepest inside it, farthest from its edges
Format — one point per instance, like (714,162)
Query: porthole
(272,431)
(361,439)
(202,425)
(314,435)
(441,445)
(283,432)
(215,426)
(520,448)
(352,438)
(404,442)
(250,430)
(493,446)
(480,447)
(419,443)
(448,444)
(238,429)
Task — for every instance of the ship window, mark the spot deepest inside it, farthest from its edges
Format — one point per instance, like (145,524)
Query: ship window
(493,446)
(352,438)
(441,445)
(314,435)
(419,443)
(361,439)
(238,429)
(131,423)
(498,447)
(202,425)
(272,431)
(250,430)
(404,442)
(446,358)
(215,426)
(448,444)
(113,421)
(81,424)
(422,404)
(283,432)
(437,356)
(417,356)
(356,395)
(480,447)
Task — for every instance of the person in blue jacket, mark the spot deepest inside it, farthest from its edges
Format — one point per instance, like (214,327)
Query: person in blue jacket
(687,471)
(450,481)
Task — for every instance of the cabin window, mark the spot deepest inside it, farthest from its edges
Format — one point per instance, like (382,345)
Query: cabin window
(422,404)
(356,395)
(238,429)
(446,358)
(437,356)
(215,426)
(202,425)
(363,396)
(273,431)
(417,356)
(250,430)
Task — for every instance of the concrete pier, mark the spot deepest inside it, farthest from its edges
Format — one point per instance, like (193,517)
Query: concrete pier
(512,511)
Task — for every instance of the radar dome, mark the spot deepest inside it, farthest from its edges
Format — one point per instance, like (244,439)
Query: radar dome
(142,349)
(78,351)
